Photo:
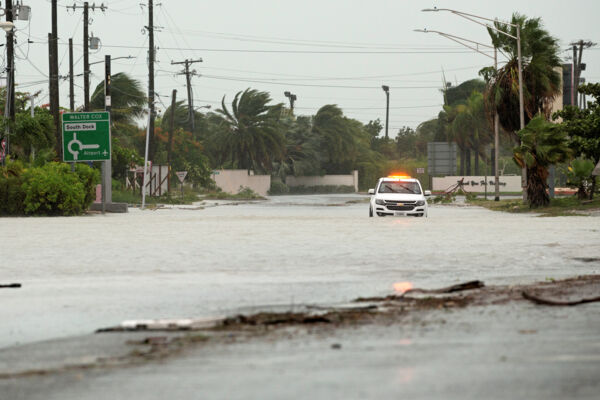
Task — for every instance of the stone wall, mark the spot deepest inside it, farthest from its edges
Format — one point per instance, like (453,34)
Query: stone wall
(232,180)
(334,180)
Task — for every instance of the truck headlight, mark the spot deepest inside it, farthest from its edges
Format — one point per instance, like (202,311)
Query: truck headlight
(420,202)
(381,202)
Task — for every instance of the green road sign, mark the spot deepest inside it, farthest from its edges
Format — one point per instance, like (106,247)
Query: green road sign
(86,136)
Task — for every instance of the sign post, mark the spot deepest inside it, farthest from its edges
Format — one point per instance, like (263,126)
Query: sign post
(181,175)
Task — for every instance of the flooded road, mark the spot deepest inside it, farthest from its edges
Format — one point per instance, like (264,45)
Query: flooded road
(79,274)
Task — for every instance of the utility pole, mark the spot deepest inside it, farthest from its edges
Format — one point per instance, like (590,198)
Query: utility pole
(578,66)
(86,44)
(71,78)
(171,132)
(386,89)
(9,107)
(10,61)
(86,59)
(54,89)
(152,111)
(106,165)
(188,77)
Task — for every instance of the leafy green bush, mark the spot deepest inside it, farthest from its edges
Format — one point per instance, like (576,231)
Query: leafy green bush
(90,177)
(12,194)
(278,187)
(54,190)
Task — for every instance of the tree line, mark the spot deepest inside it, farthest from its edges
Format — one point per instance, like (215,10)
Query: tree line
(252,132)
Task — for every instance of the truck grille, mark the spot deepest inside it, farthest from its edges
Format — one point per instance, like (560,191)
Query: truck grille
(407,207)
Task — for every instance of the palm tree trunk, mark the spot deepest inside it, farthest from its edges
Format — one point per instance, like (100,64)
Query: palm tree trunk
(537,178)
(476,155)
(462,162)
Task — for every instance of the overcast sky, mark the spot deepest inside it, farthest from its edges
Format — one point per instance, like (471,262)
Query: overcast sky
(325,51)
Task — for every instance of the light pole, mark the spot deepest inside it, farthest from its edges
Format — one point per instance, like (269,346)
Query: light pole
(292,98)
(469,43)
(386,89)
(475,18)
(7,26)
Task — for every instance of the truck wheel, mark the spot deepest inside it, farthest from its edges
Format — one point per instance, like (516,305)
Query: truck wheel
(370,212)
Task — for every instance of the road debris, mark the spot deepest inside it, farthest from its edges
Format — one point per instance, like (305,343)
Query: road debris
(551,302)
(10,286)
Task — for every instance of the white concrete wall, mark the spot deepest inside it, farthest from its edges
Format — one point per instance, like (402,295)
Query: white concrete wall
(508,183)
(335,180)
(230,181)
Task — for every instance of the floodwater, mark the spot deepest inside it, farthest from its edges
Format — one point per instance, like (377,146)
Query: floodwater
(83,273)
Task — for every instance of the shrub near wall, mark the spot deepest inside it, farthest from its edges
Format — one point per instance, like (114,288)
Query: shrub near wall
(11,191)
(48,190)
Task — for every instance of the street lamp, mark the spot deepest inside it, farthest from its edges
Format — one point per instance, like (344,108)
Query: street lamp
(475,18)
(469,43)
(386,89)
(292,98)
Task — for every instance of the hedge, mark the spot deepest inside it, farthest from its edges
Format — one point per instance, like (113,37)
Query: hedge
(51,189)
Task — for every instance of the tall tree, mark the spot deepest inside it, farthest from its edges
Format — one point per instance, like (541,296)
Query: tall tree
(127,98)
(337,136)
(583,128)
(251,136)
(541,82)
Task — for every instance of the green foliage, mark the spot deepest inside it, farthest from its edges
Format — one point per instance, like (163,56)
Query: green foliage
(123,159)
(244,193)
(542,144)
(338,138)
(54,190)
(250,136)
(278,188)
(541,83)
(90,177)
(198,173)
(128,98)
(11,191)
(459,94)
(579,175)
(583,128)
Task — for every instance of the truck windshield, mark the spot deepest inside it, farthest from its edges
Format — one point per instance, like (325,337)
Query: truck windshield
(399,187)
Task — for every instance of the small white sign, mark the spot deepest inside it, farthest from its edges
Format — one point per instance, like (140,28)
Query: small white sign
(181,175)
(81,126)
(420,170)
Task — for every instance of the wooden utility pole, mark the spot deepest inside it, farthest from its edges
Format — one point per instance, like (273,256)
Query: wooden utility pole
(10,61)
(9,106)
(577,68)
(151,107)
(86,59)
(71,78)
(188,77)
(86,54)
(171,133)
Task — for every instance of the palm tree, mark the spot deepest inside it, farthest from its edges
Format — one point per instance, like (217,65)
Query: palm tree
(337,135)
(542,144)
(127,98)
(541,82)
(250,136)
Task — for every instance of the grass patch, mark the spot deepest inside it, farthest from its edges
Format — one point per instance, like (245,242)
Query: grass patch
(126,196)
(244,194)
(562,206)
(321,189)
